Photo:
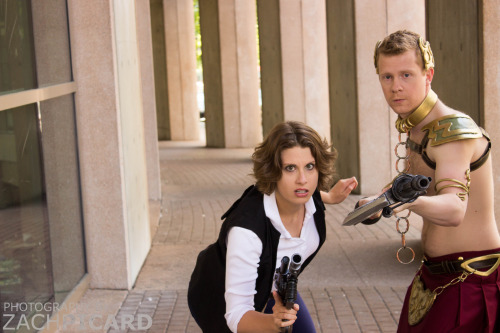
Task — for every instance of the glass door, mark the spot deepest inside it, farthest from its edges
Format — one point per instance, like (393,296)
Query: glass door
(25,254)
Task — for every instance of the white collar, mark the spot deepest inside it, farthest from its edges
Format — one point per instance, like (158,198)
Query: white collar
(272,212)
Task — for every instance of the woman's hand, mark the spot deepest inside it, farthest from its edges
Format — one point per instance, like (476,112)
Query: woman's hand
(340,191)
(281,313)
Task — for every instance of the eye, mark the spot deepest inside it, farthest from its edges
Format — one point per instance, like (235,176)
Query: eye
(310,166)
(290,168)
(406,75)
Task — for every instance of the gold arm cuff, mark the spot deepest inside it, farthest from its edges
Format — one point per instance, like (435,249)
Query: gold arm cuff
(458,184)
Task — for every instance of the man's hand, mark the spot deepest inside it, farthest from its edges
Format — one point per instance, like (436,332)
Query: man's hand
(403,207)
(365,200)
(340,191)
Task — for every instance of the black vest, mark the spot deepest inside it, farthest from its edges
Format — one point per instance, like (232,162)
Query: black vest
(207,285)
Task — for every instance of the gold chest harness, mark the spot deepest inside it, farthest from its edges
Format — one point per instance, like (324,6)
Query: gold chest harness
(448,129)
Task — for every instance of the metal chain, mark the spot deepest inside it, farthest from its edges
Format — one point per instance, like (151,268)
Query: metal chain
(406,161)
(456,280)
(405,157)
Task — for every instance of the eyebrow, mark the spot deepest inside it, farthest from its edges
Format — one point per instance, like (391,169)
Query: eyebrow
(291,163)
(404,71)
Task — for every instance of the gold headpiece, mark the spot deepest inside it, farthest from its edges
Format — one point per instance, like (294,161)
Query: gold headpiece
(425,50)
(427,57)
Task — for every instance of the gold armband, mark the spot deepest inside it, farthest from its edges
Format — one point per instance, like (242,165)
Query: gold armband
(457,183)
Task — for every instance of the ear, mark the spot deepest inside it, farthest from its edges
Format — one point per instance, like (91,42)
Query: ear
(429,75)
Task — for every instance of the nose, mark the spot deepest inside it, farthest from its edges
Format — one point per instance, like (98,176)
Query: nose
(301,177)
(396,85)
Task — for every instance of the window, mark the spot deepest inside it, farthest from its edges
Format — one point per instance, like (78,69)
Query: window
(42,254)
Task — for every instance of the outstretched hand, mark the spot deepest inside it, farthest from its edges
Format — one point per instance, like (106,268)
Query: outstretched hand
(340,191)
(365,200)
(280,312)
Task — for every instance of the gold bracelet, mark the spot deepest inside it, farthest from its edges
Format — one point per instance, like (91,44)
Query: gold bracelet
(458,184)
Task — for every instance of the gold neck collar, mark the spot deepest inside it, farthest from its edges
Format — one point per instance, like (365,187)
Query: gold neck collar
(406,124)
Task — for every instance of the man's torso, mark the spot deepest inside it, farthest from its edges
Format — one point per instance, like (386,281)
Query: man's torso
(478,229)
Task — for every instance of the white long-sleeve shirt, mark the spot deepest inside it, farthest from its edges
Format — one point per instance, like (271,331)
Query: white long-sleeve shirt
(243,252)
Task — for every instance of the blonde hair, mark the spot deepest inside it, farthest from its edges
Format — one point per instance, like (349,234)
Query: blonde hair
(402,41)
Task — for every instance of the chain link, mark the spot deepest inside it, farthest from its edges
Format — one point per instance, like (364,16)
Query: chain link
(456,280)
(406,160)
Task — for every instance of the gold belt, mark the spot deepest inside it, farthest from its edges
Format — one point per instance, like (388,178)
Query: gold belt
(473,265)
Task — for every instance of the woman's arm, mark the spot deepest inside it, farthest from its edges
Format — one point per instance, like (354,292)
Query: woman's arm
(254,321)
(242,260)
(340,191)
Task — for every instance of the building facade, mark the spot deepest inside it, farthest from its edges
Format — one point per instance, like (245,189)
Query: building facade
(87,88)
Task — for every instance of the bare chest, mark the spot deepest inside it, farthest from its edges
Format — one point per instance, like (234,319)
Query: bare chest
(419,167)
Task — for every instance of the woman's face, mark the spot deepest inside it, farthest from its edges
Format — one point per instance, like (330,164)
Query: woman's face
(299,177)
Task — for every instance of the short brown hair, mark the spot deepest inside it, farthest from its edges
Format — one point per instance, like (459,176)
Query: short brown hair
(267,164)
(402,41)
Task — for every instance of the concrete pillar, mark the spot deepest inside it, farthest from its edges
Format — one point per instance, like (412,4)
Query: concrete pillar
(160,69)
(181,69)
(230,73)
(457,55)
(143,17)
(377,136)
(342,84)
(293,56)
(111,140)
(491,86)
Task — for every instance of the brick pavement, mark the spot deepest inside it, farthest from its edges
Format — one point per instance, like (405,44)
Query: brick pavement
(354,285)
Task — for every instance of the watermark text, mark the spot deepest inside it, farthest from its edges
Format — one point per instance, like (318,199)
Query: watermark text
(28,315)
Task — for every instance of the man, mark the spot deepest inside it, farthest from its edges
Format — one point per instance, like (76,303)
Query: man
(457,287)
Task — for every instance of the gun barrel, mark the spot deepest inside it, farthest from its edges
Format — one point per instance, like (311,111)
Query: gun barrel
(284,265)
(407,186)
(420,183)
(295,263)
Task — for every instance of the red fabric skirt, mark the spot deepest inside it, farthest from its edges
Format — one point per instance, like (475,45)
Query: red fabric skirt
(469,306)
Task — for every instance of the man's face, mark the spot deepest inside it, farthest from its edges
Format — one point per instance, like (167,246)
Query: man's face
(404,82)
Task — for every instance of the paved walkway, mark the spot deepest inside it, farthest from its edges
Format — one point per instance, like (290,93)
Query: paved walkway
(355,284)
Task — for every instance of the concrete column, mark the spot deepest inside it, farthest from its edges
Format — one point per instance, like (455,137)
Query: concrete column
(181,69)
(160,69)
(491,86)
(377,136)
(111,140)
(230,73)
(298,29)
(342,83)
(143,17)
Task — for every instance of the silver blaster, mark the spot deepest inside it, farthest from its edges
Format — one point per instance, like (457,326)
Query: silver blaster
(405,188)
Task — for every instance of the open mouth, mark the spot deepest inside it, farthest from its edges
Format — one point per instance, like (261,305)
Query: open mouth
(301,192)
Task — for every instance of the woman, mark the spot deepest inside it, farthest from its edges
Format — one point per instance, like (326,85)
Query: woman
(282,214)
